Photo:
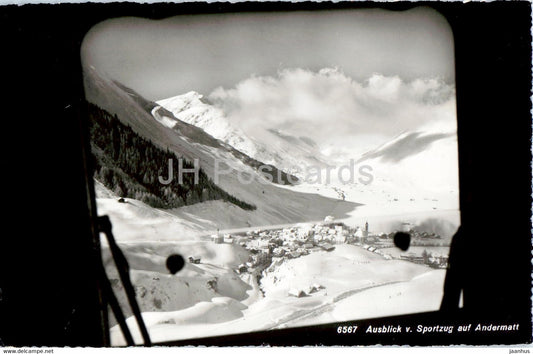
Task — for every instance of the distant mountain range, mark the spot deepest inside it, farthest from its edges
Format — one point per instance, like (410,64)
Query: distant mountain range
(426,157)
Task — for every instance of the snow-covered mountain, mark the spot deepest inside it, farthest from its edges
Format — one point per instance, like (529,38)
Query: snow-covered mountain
(273,147)
(241,175)
(411,178)
(194,109)
(405,145)
(414,172)
(422,160)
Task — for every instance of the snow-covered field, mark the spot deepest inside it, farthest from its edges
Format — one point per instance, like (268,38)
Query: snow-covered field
(354,284)
(210,298)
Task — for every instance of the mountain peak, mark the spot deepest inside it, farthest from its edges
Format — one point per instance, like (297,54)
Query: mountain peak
(271,146)
(193,108)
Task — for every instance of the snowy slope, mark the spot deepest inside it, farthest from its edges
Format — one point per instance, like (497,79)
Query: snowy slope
(421,159)
(275,205)
(191,108)
(135,220)
(354,284)
(415,179)
(211,299)
(147,236)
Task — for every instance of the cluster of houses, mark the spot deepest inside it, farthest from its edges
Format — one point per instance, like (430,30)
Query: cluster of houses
(377,251)
(289,242)
(222,238)
(293,242)
(298,292)
(427,258)
(300,240)
(326,232)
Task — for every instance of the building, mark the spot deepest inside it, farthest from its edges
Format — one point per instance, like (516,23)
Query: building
(297,292)
(194,260)
(340,238)
(242,268)
(411,257)
(278,252)
(359,235)
(314,288)
(329,219)
(217,238)
(406,226)
(327,247)
(260,244)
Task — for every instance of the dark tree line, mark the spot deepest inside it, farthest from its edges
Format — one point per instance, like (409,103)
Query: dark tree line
(130,166)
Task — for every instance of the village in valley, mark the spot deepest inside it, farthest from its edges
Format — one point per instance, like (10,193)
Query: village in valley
(269,247)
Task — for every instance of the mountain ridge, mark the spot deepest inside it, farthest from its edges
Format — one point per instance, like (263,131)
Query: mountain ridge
(275,147)
(275,205)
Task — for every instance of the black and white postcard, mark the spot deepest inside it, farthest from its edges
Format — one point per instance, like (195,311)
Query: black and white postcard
(309,168)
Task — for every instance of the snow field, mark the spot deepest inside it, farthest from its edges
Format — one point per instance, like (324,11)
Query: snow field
(355,284)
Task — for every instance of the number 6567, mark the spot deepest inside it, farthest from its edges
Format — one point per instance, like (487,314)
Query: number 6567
(346,329)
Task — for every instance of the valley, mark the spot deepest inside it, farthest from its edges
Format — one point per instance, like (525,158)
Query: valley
(266,251)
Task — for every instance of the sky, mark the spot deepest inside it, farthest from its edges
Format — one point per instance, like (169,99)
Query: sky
(354,78)
(168,57)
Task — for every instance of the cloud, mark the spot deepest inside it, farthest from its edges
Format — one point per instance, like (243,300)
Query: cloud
(334,109)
